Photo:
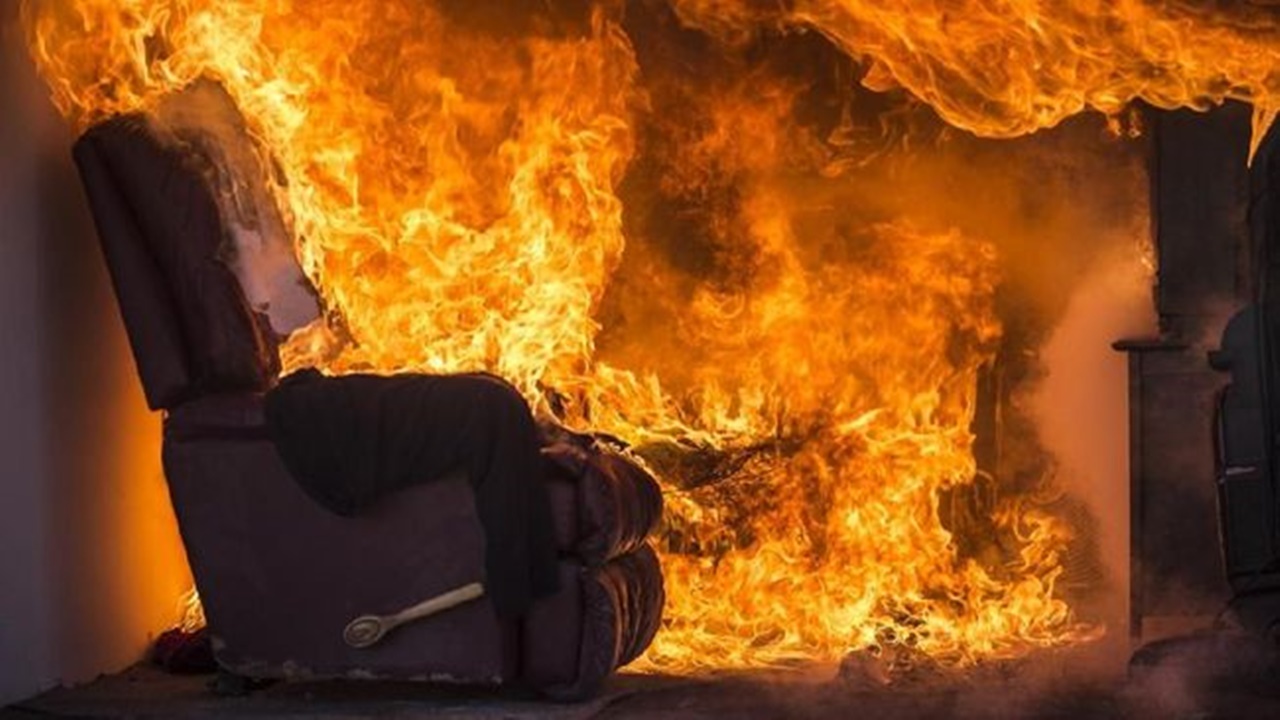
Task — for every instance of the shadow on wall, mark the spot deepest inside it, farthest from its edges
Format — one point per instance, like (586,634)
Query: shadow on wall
(92,566)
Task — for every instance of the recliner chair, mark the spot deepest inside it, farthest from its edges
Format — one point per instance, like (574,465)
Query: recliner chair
(279,576)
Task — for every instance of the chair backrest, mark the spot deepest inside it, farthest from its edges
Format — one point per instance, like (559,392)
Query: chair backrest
(191,330)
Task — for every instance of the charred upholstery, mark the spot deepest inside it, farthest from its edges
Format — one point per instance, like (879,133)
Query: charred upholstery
(191,330)
(279,576)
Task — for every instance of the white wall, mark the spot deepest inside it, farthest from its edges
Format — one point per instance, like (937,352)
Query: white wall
(25,657)
(90,564)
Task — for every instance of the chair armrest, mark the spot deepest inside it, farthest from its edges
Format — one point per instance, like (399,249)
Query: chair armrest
(615,503)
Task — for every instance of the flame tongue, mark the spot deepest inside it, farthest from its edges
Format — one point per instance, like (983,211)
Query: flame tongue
(830,539)
(454,195)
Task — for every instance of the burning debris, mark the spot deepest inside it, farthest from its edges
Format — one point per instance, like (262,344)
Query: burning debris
(718,269)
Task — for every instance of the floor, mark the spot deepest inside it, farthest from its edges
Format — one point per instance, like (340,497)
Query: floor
(1053,688)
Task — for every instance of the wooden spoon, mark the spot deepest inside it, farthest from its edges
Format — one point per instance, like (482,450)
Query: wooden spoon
(367,630)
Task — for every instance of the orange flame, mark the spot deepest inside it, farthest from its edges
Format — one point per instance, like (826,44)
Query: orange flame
(1001,68)
(454,194)
(191,611)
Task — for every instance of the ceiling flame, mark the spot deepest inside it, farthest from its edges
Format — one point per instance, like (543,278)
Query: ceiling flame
(454,192)
(1001,68)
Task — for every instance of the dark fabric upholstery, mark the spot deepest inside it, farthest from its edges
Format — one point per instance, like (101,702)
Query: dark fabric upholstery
(621,605)
(144,299)
(152,197)
(354,440)
(218,416)
(619,503)
(563,494)
(551,637)
(596,515)
(632,585)
(273,568)
(280,577)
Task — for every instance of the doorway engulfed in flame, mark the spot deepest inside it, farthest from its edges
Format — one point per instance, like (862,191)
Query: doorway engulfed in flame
(697,228)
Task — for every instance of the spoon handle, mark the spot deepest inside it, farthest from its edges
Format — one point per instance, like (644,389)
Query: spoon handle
(437,604)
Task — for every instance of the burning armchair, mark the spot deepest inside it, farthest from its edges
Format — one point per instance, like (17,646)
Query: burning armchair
(280,577)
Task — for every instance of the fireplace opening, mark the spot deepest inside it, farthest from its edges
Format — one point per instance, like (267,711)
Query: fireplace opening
(843,277)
